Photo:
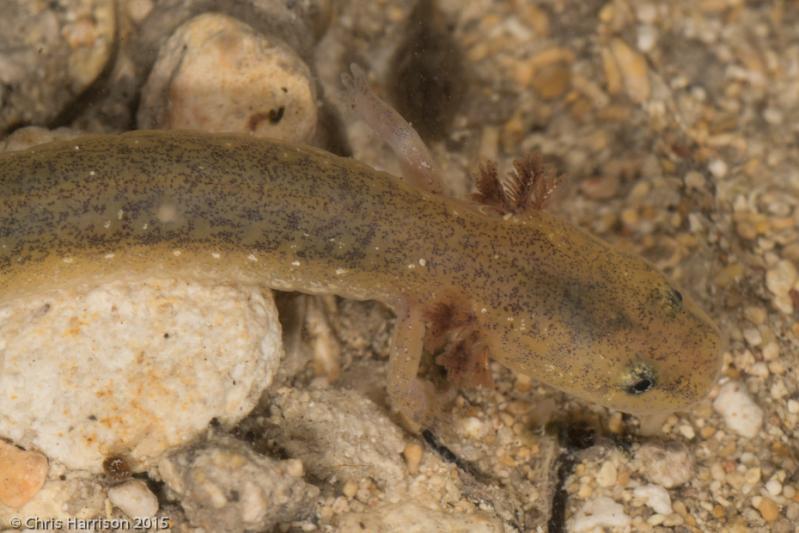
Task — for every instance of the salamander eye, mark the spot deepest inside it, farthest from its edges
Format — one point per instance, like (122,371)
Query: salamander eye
(640,386)
(640,380)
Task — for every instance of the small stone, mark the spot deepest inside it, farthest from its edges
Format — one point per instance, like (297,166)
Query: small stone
(350,489)
(134,498)
(413,456)
(778,390)
(600,188)
(695,180)
(769,510)
(718,168)
(552,80)
(774,487)
(647,38)
(656,497)
(781,277)
(22,474)
(740,413)
(665,465)
(599,513)
(607,474)
(755,315)
(793,407)
(752,336)
(633,70)
(771,351)
(687,431)
(472,427)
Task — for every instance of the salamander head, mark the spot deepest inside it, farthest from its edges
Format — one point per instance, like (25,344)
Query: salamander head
(622,337)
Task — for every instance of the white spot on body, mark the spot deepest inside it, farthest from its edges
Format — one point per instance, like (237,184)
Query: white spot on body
(167,213)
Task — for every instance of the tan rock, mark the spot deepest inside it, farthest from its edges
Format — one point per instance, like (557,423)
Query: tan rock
(22,474)
(216,73)
(625,67)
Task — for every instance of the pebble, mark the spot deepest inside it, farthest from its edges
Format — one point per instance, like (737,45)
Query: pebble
(22,474)
(768,509)
(755,314)
(774,487)
(216,73)
(413,456)
(225,486)
(753,336)
(606,477)
(718,168)
(134,498)
(695,180)
(740,413)
(600,512)
(626,67)
(656,497)
(780,279)
(667,465)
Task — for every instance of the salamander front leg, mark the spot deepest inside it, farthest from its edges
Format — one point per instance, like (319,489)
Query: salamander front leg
(413,397)
(413,155)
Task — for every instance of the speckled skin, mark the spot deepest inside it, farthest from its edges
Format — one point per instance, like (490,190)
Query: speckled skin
(551,301)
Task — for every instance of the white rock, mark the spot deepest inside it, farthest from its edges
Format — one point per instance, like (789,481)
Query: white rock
(607,474)
(350,429)
(133,368)
(741,414)
(781,277)
(656,497)
(134,498)
(665,465)
(718,168)
(598,513)
(225,486)
(774,487)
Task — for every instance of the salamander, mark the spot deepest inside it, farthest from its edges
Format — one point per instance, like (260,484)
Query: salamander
(541,296)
